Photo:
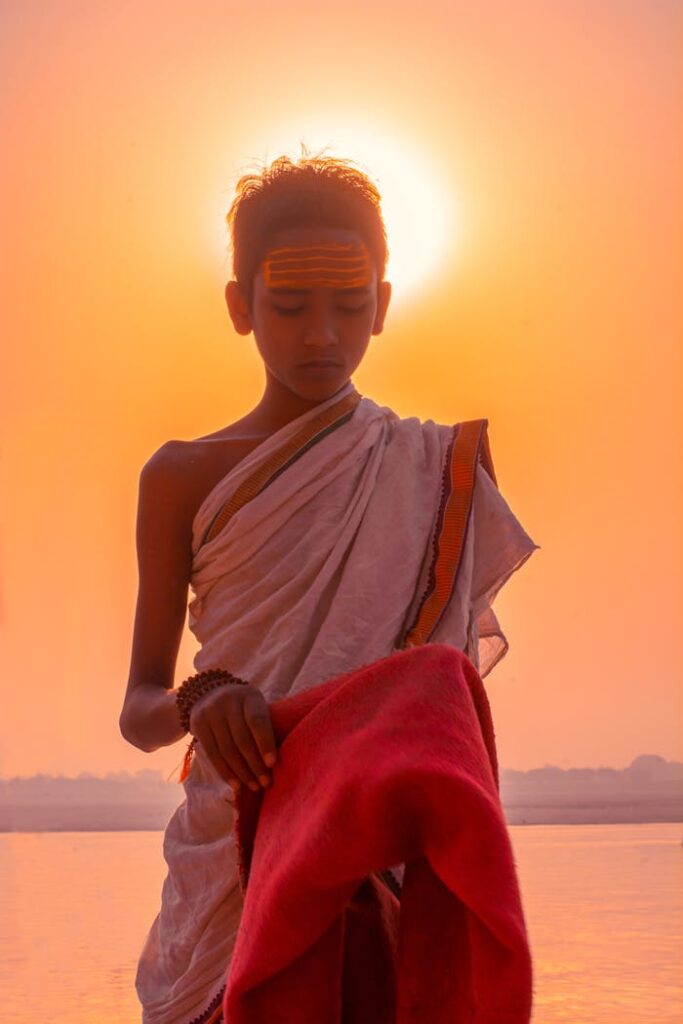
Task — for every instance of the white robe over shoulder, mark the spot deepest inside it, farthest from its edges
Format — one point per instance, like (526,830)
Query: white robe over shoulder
(317,575)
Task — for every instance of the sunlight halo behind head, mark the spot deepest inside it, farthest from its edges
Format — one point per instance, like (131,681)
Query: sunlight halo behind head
(418,209)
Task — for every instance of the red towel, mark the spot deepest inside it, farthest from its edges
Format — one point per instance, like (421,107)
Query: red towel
(392,763)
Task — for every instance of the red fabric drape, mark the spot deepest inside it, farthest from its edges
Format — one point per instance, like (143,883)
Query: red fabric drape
(392,763)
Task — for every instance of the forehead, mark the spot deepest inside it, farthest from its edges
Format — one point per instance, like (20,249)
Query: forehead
(308,258)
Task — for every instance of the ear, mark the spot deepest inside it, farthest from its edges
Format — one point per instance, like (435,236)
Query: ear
(238,308)
(383,297)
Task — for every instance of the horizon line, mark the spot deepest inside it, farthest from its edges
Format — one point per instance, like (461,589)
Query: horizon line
(85,773)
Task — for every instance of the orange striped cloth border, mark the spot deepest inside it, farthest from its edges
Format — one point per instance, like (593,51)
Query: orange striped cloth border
(213,1014)
(216,1016)
(312,432)
(470,444)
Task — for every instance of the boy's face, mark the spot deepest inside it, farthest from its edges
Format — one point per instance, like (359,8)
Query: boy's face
(308,310)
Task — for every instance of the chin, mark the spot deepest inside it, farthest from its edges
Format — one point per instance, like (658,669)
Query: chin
(319,388)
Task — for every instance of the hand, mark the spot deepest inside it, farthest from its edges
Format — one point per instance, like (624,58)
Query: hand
(232,723)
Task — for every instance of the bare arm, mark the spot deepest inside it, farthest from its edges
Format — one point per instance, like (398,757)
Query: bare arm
(232,723)
(149,718)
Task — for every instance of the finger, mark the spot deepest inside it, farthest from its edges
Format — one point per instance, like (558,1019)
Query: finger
(211,724)
(257,717)
(216,758)
(227,744)
(245,741)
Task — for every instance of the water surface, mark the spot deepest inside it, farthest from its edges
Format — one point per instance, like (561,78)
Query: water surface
(604,909)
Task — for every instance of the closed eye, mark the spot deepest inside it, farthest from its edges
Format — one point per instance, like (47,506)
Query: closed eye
(292,310)
(287,310)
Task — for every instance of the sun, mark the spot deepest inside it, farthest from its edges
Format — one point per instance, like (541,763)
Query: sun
(419,210)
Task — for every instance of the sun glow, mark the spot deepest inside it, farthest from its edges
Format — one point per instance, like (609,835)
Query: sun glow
(419,210)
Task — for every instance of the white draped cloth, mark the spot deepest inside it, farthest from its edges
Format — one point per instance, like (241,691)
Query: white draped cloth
(317,575)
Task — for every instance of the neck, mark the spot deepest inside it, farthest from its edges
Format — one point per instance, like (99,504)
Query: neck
(279,406)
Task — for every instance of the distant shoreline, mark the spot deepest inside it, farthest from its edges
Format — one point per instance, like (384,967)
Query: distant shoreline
(152,819)
(160,830)
(648,791)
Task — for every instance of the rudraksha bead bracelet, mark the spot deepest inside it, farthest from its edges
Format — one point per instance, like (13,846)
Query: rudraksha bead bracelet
(196,686)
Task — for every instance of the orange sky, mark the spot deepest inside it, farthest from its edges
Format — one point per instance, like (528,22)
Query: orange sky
(555,313)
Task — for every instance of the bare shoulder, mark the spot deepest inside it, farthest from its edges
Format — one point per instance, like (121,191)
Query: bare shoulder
(168,469)
(182,473)
(174,462)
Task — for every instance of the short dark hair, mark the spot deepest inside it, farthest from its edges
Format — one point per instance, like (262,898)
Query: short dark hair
(314,190)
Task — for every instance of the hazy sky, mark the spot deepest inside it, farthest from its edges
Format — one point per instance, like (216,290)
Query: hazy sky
(533,155)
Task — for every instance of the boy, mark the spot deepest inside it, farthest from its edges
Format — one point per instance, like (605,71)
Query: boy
(308,531)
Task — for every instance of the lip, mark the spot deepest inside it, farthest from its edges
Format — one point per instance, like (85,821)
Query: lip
(319,364)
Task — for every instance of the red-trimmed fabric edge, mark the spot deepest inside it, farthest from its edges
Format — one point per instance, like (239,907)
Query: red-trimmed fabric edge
(467,447)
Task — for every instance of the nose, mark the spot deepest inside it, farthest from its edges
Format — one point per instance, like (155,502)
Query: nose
(320,330)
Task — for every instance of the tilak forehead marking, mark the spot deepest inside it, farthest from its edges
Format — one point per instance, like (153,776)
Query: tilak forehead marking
(333,266)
